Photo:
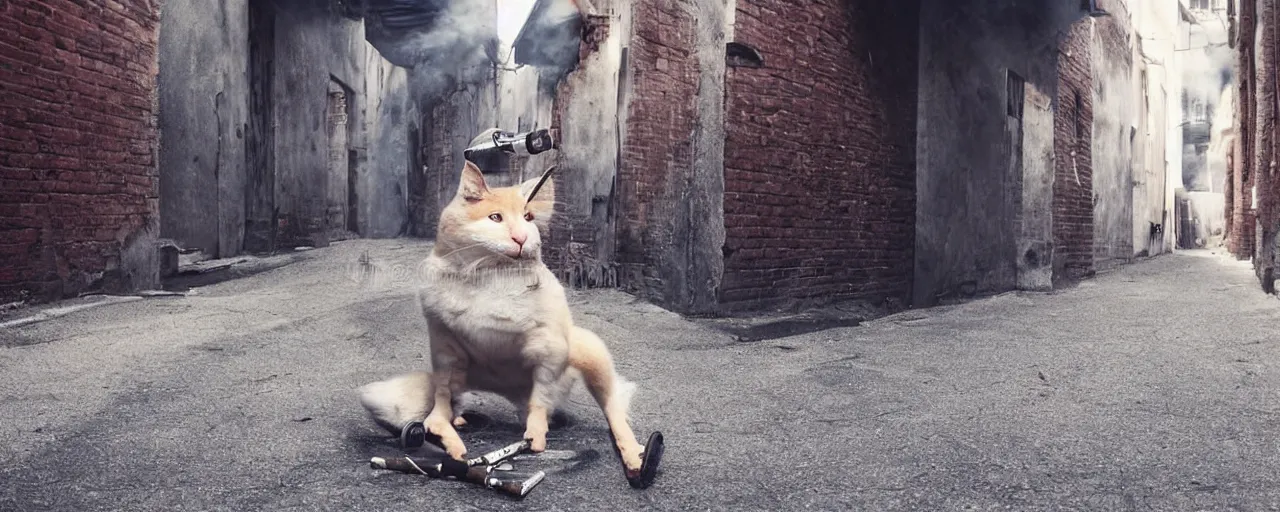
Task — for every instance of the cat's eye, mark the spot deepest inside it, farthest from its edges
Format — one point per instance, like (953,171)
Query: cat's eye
(528,216)
(497,217)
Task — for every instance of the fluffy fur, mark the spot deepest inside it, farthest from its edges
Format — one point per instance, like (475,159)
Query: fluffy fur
(498,322)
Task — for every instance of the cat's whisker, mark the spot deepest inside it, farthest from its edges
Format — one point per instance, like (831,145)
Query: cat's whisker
(474,266)
(460,249)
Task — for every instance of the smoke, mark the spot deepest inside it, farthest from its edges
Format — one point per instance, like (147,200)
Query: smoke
(1208,72)
(1208,64)
(443,43)
(447,44)
(1208,217)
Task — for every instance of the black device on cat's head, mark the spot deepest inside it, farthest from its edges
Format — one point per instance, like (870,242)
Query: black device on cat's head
(494,141)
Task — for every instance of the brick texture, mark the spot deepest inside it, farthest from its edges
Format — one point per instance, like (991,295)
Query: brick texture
(78,141)
(820,155)
(1266,143)
(1239,199)
(1073,176)
(661,118)
(579,245)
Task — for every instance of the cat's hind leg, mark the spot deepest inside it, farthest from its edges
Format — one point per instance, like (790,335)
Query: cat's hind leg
(459,408)
(589,355)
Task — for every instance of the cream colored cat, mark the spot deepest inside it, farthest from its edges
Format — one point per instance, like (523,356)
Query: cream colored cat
(498,321)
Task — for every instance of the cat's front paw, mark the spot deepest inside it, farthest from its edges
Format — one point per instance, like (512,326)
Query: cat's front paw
(448,436)
(631,453)
(537,440)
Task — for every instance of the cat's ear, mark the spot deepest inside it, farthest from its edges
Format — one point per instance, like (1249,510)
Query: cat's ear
(472,186)
(540,193)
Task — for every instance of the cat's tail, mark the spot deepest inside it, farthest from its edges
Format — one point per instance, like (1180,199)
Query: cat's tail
(398,400)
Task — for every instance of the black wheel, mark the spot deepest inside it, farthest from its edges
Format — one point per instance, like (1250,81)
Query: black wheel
(413,435)
(649,464)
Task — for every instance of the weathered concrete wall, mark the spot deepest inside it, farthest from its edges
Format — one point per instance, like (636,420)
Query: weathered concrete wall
(702,208)
(260,212)
(968,233)
(312,47)
(244,106)
(1157,27)
(204,109)
(386,152)
(1114,131)
(1035,226)
(586,112)
(78,143)
(820,155)
(1148,144)
(1149,180)
(675,57)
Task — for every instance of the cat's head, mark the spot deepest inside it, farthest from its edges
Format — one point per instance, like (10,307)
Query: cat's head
(502,221)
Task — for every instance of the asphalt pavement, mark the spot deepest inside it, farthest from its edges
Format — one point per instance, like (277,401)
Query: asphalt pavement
(1151,387)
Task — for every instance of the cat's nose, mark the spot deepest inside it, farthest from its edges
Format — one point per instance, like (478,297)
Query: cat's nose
(519,238)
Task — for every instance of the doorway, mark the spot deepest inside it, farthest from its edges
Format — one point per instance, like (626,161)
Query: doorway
(340,207)
(1033,148)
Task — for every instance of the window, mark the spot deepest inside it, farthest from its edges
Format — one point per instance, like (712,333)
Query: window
(1015,90)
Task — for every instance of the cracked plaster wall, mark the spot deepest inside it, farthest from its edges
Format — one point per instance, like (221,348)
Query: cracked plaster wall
(969,213)
(204,119)
(204,108)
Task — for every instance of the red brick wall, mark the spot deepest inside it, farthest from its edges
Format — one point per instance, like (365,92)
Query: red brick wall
(820,154)
(1073,179)
(1240,207)
(1266,142)
(77,141)
(661,118)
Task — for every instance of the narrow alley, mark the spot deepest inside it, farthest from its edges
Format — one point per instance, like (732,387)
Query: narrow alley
(1148,387)
(855,254)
